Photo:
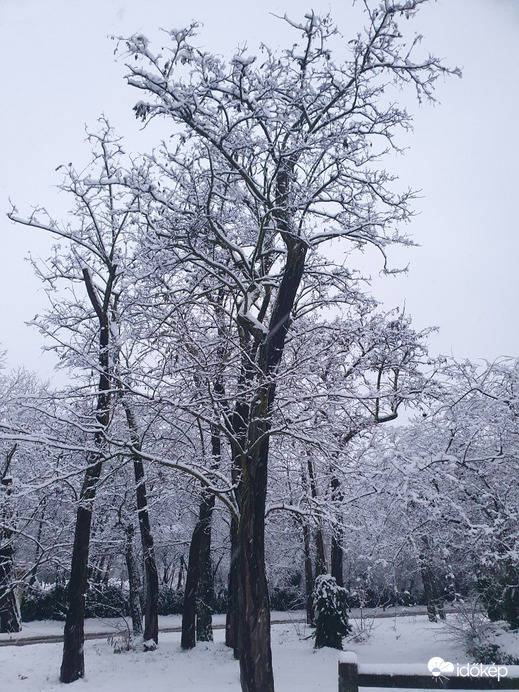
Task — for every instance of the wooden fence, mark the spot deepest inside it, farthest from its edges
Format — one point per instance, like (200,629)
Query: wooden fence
(352,676)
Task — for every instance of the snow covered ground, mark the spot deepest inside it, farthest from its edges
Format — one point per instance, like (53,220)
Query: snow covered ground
(298,667)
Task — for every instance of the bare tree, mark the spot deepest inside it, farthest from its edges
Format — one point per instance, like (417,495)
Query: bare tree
(276,156)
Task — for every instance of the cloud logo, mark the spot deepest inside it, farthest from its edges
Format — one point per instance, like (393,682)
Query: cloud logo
(438,666)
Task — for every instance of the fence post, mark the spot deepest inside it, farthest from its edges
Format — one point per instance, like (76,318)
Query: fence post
(348,672)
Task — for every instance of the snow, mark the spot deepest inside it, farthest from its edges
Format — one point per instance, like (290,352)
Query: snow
(297,666)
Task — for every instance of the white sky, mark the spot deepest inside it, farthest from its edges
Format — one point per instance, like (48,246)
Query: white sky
(60,74)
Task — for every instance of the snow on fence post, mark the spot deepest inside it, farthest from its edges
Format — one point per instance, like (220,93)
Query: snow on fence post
(348,672)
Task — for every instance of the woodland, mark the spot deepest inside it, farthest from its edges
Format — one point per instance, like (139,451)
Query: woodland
(243,417)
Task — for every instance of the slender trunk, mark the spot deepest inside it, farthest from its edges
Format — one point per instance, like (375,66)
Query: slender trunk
(180,578)
(336,552)
(198,562)
(205,592)
(73,661)
(233,607)
(336,556)
(320,550)
(38,550)
(309,576)
(511,596)
(188,636)
(205,599)
(133,580)
(433,599)
(10,620)
(151,616)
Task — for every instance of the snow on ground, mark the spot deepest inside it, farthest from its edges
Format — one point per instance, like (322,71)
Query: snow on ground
(298,667)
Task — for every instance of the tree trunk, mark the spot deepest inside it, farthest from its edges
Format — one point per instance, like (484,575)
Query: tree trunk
(133,580)
(233,606)
(73,662)
(309,577)
(336,556)
(10,620)
(188,636)
(205,593)
(151,616)
(256,672)
(180,578)
(198,563)
(432,597)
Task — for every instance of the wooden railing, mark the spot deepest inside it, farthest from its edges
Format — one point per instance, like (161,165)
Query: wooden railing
(352,676)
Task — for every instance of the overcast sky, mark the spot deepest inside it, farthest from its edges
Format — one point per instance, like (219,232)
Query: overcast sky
(60,74)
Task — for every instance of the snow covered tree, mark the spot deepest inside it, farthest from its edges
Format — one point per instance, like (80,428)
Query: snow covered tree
(331,612)
(10,620)
(86,333)
(276,156)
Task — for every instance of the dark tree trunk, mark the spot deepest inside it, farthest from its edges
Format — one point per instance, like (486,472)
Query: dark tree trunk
(205,599)
(188,636)
(180,578)
(73,662)
(151,616)
(511,596)
(255,655)
(336,553)
(38,550)
(205,593)
(233,607)
(336,556)
(133,580)
(309,576)
(199,593)
(10,620)
(198,563)
(432,592)
(256,674)
(320,550)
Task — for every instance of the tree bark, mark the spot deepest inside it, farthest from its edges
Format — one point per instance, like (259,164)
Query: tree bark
(10,620)
(336,561)
(151,616)
(309,576)
(73,661)
(233,606)
(205,592)
(199,562)
(255,654)
(133,580)
(188,636)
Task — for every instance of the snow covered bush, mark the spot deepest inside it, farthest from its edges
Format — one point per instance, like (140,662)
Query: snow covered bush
(44,603)
(331,612)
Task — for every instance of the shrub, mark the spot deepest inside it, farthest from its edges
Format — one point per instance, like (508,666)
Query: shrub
(39,603)
(331,612)
(171,601)
(50,603)
(106,601)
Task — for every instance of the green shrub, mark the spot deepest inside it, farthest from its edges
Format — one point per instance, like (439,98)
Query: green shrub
(106,601)
(40,603)
(331,612)
(171,601)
